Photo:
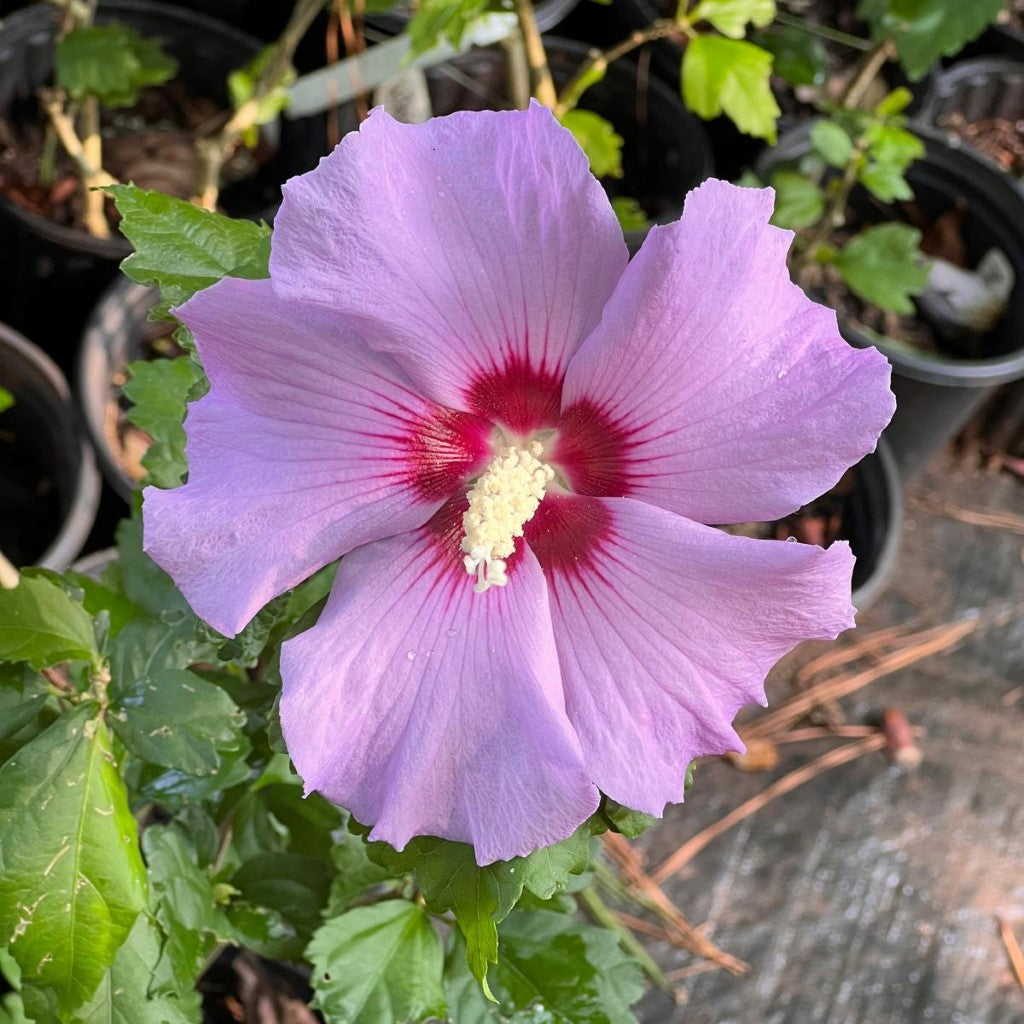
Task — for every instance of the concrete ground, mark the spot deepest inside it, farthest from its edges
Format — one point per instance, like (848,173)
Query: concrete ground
(870,895)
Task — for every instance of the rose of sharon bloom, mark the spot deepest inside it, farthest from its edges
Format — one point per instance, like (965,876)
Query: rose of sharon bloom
(454,379)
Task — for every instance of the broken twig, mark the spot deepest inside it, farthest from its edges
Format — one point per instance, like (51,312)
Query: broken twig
(1013,950)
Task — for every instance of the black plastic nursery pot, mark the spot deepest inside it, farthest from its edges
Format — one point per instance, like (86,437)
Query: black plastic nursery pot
(665,150)
(865,508)
(53,272)
(937,394)
(115,335)
(973,92)
(48,478)
(874,519)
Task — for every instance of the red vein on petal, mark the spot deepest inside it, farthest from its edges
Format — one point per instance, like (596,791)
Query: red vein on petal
(444,450)
(517,395)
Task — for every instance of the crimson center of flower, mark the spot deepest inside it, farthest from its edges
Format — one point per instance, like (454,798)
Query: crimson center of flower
(501,501)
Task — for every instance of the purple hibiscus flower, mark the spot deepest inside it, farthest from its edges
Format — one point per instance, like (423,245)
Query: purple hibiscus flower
(454,379)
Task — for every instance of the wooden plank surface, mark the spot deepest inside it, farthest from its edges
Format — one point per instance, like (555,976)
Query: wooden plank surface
(870,896)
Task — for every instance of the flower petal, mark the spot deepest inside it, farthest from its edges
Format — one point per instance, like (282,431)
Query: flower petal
(428,709)
(481,238)
(665,628)
(307,445)
(739,399)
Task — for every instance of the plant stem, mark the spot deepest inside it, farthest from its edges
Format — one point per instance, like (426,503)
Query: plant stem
(603,915)
(594,67)
(541,83)
(823,31)
(835,212)
(53,106)
(92,150)
(870,66)
(215,152)
(518,74)
(9,575)
(48,157)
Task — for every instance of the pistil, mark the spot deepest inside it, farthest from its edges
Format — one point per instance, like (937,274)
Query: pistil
(503,499)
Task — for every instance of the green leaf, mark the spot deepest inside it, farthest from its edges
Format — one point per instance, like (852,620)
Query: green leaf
(242,87)
(355,873)
(182,249)
(450,879)
(187,908)
(630,213)
(12,1010)
(18,709)
(576,972)
(895,102)
(159,390)
(883,265)
(799,202)
(41,624)
(732,77)
(547,870)
(551,969)
(148,645)
(925,30)
(891,144)
(886,182)
(832,142)
(175,719)
(436,21)
(799,57)
(276,817)
(25,711)
(294,885)
(598,139)
(630,823)
(481,897)
(111,62)
(731,17)
(174,790)
(262,930)
(144,582)
(100,597)
(6,399)
(123,994)
(378,965)
(71,878)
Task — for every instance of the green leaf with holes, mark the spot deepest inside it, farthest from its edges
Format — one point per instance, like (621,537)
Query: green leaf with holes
(71,877)
(380,964)
(176,719)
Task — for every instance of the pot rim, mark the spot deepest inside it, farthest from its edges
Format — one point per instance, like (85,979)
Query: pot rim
(85,497)
(92,370)
(939,370)
(39,17)
(892,485)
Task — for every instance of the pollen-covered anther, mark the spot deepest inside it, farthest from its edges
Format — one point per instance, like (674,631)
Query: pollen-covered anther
(503,499)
